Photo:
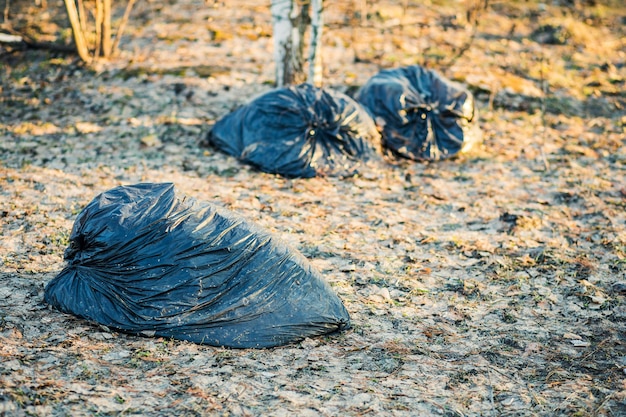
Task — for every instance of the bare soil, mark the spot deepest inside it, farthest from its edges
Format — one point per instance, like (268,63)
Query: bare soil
(488,285)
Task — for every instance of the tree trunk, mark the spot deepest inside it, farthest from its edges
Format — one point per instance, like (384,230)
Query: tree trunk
(288,27)
(106,29)
(315,49)
(79,36)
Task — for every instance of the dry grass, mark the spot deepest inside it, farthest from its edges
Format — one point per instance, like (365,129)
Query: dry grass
(487,285)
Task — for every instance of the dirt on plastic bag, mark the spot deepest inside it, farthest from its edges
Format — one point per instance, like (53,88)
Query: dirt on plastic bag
(422,115)
(145,260)
(300,131)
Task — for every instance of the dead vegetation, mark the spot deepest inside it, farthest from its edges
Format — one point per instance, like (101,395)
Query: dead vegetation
(492,284)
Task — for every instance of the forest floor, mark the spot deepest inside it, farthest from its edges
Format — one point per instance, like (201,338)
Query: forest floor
(493,284)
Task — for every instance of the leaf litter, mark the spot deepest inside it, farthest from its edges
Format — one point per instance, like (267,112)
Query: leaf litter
(492,284)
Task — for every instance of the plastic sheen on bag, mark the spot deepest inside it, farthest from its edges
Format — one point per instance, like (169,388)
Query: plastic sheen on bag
(145,260)
(422,115)
(300,131)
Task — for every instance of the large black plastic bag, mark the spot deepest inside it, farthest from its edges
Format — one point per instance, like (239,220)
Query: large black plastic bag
(299,131)
(144,260)
(423,115)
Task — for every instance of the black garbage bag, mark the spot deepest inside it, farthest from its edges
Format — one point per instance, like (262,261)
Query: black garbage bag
(144,260)
(299,131)
(422,115)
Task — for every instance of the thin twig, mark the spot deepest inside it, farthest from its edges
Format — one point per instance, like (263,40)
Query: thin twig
(475,20)
(462,49)
(82,17)
(99,20)
(514,378)
(493,405)
(6,11)
(120,29)
(106,29)
(544,128)
(565,401)
(606,400)
(593,352)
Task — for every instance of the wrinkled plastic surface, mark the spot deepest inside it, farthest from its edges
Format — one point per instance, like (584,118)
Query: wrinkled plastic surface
(423,115)
(143,259)
(300,131)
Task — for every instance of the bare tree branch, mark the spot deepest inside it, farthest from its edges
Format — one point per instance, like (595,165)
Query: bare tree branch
(99,19)
(106,29)
(122,26)
(79,36)
(82,16)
